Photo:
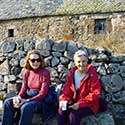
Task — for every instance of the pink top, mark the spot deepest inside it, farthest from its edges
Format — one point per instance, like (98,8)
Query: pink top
(35,79)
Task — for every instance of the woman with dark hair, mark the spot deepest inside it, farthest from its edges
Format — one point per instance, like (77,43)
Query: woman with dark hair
(35,85)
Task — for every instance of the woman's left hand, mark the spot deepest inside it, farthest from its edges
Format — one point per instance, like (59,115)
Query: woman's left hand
(75,106)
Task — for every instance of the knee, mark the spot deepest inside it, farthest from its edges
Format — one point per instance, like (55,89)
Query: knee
(73,114)
(26,107)
(60,111)
(8,101)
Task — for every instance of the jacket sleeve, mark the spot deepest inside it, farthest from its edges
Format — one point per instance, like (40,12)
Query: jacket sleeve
(67,92)
(94,92)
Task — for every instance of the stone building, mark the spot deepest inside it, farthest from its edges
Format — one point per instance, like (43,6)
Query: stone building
(77,20)
(60,19)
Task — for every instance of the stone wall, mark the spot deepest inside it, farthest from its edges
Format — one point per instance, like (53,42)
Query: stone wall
(74,27)
(59,59)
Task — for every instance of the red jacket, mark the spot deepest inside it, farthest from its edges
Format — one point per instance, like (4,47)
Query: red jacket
(88,91)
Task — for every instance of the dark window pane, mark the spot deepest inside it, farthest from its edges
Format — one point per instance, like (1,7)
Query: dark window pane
(100,26)
(10,32)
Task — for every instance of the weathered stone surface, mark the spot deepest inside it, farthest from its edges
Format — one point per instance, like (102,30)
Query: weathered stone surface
(64,60)
(29,45)
(111,73)
(11,88)
(3,86)
(18,54)
(119,97)
(1,78)
(60,46)
(21,9)
(71,64)
(14,62)
(15,70)
(57,54)
(44,44)
(102,57)
(54,61)
(72,47)
(9,78)
(112,83)
(122,71)
(100,119)
(4,68)
(61,68)
(20,45)
(48,61)
(22,62)
(7,47)
(69,55)
(45,53)
(116,59)
(72,27)
(113,67)
(21,74)
(101,70)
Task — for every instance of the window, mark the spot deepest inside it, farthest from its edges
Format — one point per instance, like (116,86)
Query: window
(10,32)
(100,26)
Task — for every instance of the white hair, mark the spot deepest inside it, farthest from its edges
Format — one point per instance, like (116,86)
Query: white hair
(80,53)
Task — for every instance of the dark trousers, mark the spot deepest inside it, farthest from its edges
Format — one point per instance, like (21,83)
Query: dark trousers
(74,116)
(26,112)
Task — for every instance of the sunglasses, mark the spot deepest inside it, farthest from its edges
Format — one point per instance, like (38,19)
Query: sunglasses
(33,60)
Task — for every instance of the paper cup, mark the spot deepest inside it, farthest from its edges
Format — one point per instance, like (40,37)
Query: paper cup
(63,105)
(17,100)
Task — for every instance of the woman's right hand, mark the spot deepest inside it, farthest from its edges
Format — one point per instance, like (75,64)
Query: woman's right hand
(16,101)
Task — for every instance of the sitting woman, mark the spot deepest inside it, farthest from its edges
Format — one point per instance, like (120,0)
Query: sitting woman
(35,85)
(80,95)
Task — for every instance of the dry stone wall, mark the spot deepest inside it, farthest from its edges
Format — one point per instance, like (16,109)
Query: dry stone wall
(59,59)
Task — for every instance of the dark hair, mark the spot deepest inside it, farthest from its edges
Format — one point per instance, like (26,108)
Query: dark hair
(27,65)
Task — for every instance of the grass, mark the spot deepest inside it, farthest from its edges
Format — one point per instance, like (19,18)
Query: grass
(114,42)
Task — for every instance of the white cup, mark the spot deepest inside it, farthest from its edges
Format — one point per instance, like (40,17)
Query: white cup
(63,105)
(17,100)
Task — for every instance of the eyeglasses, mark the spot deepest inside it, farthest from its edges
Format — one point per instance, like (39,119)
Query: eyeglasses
(33,60)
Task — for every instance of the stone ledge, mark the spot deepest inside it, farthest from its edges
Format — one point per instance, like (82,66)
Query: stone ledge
(103,118)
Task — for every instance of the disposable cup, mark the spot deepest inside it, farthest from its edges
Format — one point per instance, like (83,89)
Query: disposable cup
(63,105)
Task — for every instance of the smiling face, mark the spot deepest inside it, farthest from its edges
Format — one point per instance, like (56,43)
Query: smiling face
(34,61)
(81,62)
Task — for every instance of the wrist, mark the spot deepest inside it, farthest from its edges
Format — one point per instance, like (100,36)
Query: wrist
(19,97)
(27,100)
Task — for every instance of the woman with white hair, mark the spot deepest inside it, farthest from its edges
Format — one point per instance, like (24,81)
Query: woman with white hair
(80,93)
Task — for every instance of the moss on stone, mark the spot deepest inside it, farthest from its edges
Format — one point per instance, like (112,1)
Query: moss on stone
(93,6)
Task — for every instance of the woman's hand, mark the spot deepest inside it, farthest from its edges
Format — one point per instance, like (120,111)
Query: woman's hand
(18,102)
(75,106)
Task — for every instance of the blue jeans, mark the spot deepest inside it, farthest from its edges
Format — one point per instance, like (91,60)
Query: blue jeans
(26,112)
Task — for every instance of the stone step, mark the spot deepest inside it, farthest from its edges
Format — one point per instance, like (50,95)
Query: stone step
(36,120)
